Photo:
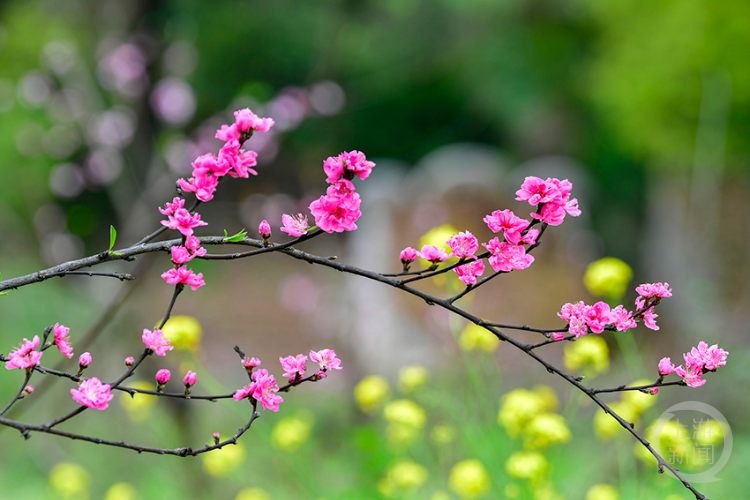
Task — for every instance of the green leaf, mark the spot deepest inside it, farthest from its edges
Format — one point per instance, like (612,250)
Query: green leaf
(112,238)
(235,238)
(225,233)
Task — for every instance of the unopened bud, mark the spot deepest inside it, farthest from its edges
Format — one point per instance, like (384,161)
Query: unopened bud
(129,361)
(217,438)
(84,360)
(29,389)
(265,230)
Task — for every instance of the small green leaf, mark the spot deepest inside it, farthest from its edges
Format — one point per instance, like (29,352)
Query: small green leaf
(3,293)
(112,238)
(225,233)
(237,237)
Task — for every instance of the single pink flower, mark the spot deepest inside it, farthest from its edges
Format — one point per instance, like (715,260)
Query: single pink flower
(246,120)
(433,254)
(294,365)
(506,257)
(245,392)
(265,389)
(171,208)
(92,393)
(228,133)
(327,359)
(468,272)
(84,360)
(250,363)
(264,229)
(203,187)
(692,376)
(192,249)
(656,291)
(665,366)
(622,319)
(464,245)
(597,316)
(156,342)
(184,275)
(338,210)
(182,221)
(536,191)
(353,163)
(163,376)
(62,341)
(25,356)
(294,225)
(208,165)
(190,378)
(507,221)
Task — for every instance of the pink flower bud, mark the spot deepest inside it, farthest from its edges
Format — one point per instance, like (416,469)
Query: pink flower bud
(653,391)
(29,389)
(129,361)
(217,438)
(250,363)
(162,376)
(190,378)
(408,255)
(84,360)
(666,367)
(265,230)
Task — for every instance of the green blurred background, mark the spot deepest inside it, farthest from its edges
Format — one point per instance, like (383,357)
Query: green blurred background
(645,107)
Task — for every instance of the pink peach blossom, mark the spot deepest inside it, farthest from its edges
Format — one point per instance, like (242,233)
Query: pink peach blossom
(327,359)
(433,254)
(163,376)
(92,393)
(294,225)
(665,366)
(264,229)
(464,245)
(293,365)
(171,208)
(468,272)
(184,275)
(156,342)
(182,221)
(84,360)
(62,341)
(25,356)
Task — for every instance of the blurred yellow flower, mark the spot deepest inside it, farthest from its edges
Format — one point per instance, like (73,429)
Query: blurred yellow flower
(403,476)
(606,427)
(252,494)
(70,481)
(589,352)
(138,406)
(442,434)
(224,461)
(469,479)
(671,440)
(527,465)
(708,432)
(291,432)
(406,412)
(512,490)
(475,337)
(639,399)
(517,408)
(439,237)
(440,495)
(411,377)
(121,491)
(401,436)
(184,333)
(371,392)
(608,277)
(543,490)
(546,429)
(548,396)
(603,492)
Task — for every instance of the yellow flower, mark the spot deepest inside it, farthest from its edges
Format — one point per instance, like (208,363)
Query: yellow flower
(709,432)
(443,434)
(411,377)
(406,412)
(371,393)
(608,277)
(439,237)
(252,494)
(589,352)
(224,461)
(517,408)
(543,490)
(526,465)
(469,479)
(548,395)
(606,427)
(121,491)
(603,492)
(138,407)
(671,440)
(70,481)
(546,429)
(512,490)
(405,475)
(184,333)
(475,337)
(640,400)
(291,432)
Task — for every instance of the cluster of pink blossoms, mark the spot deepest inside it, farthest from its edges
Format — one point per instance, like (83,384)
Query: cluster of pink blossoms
(337,210)
(208,169)
(263,387)
(699,360)
(553,198)
(583,319)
